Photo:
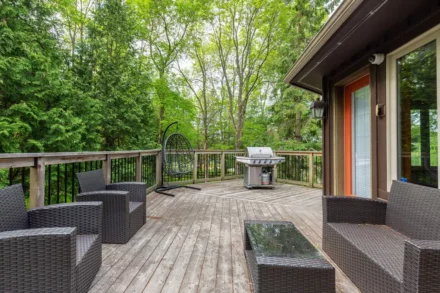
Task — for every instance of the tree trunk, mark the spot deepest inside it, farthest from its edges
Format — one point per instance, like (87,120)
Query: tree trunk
(298,126)
(205,132)
(161,117)
(239,133)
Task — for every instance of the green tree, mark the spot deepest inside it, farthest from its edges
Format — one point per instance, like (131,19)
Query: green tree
(120,79)
(166,28)
(291,124)
(246,34)
(36,96)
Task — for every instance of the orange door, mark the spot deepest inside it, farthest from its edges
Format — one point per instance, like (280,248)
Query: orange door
(349,93)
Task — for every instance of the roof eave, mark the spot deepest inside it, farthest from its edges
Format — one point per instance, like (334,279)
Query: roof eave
(305,87)
(341,14)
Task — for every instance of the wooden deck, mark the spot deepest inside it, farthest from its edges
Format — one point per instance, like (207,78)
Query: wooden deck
(194,241)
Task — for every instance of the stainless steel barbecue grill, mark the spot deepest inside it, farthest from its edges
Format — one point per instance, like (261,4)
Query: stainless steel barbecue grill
(259,165)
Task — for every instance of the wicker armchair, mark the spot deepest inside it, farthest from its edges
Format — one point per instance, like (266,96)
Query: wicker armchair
(386,247)
(125,209)
(55,248)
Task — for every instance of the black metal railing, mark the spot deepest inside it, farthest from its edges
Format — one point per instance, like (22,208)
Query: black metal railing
(295,168)
(303,168)
(231,166)
(209,165)
(317,170)
(61,182)
(123,170)
(149,170)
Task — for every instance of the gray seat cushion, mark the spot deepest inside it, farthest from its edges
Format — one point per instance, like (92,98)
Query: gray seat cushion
(133,205)
(383,245)
(83,244)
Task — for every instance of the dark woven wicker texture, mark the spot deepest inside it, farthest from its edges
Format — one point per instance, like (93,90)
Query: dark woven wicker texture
(137,190)
(414,211)
(125,209)
(89,255)
(288,274)
(422,266)
(91,180)
(355,210)
(86,217)
(13,215)
(50,259)
(381,258)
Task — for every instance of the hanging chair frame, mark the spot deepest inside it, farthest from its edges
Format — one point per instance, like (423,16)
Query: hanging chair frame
(162,189)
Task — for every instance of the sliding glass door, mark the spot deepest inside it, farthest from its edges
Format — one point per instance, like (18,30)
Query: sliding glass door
(357,136)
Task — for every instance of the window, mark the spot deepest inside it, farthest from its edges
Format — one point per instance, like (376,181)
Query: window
(417,102)
(414,99)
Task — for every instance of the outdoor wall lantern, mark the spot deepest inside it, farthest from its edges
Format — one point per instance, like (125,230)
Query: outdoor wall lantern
(318,109)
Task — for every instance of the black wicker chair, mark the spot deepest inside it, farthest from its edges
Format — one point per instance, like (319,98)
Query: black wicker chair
(125,208)
(386,247)
(55,248)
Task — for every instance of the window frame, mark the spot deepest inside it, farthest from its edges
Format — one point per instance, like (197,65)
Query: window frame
(392,102)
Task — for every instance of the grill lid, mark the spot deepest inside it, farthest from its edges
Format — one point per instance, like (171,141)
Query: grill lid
(260,152)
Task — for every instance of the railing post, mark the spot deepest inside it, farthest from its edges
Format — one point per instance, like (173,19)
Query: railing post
(275,171)
(311,169)
(159,168)
(107,169)
(206,164)
(139,168)
(195,168)
(222,165)
(37,183)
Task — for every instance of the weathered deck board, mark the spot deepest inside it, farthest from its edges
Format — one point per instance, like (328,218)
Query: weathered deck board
(193,270)
(208,275)
(193,242)
(151,263)
(177,272)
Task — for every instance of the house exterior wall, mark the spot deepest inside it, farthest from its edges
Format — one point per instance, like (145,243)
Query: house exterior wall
(333,94)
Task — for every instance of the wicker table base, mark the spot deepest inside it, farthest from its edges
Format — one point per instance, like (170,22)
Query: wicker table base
(276,265)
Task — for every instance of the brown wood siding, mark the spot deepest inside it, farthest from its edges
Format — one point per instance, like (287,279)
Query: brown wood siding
(374,128)
(327,139)
(381,133)
(338,145)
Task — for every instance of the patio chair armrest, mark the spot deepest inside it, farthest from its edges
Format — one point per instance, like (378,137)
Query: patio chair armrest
(114,202)
(138,190)
(86,217)
(356,210)
(108,197)
(421,269)
(116,213)
(38,260)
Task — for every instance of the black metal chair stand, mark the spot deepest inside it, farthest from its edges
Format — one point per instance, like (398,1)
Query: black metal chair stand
(177,160)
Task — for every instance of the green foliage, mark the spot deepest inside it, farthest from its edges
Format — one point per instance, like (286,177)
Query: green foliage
(111,74)
(34,91)
(120,81)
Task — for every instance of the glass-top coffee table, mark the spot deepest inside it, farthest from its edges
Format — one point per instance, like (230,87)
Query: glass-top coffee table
(281,259)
